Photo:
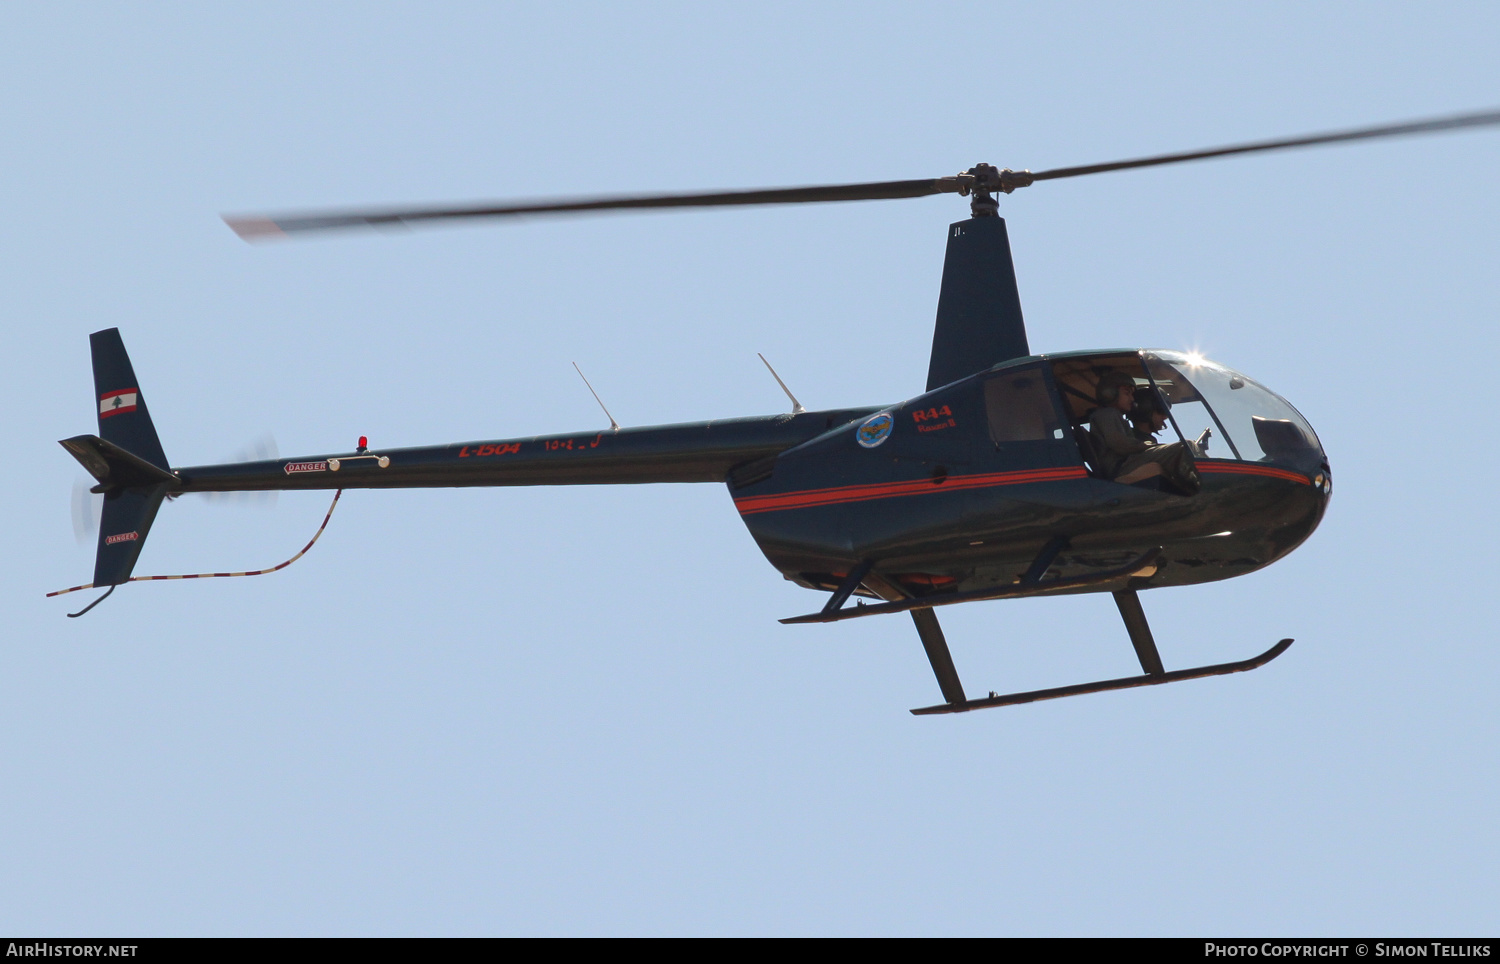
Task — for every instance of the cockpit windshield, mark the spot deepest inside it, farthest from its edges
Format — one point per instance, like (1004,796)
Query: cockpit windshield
(1244,419)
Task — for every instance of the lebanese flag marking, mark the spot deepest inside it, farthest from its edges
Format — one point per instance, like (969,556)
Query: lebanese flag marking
(116,403)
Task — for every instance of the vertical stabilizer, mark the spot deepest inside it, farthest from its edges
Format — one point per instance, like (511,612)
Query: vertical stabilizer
(123,418)
(132,492)
(123,526)
(979,320)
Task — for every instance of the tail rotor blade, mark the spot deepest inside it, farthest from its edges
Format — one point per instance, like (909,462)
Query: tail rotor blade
(86,509)
(262,448)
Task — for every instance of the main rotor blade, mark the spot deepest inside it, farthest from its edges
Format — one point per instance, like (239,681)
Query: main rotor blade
(980,179)
(281,226)
(1483,119)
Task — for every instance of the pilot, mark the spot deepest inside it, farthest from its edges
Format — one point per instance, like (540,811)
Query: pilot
(1125,456)
(1148,416)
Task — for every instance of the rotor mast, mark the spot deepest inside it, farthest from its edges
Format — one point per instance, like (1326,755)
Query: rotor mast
(979,322)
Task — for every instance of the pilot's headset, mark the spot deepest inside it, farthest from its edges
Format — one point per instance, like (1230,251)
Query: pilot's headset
(1147,403)
(1107,392)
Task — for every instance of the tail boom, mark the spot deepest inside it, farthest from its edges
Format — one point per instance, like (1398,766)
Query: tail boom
(687,452)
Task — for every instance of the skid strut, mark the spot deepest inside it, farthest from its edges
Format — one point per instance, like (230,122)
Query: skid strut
(938,656)
(1140,632)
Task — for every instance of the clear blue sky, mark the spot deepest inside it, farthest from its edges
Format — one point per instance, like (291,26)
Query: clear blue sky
(572,710)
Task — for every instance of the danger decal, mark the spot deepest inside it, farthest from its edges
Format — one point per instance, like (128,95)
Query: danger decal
(293,467)
(121,537)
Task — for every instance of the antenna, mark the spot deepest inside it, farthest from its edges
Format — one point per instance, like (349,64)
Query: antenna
(614,426)
(797,408)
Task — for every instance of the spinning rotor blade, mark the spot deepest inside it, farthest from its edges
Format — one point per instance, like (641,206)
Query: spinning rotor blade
(979,180)
(86,509)
(1484,119)
(261,449)
(282,226)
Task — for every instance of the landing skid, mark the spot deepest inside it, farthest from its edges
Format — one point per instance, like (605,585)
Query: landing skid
(1128,682)
(1153,673)
(1030,584)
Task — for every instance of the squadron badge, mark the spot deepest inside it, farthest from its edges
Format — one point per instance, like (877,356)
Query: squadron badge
(876,429)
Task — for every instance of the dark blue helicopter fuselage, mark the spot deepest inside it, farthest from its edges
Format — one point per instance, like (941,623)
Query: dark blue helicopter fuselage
(941,506)
(935,502)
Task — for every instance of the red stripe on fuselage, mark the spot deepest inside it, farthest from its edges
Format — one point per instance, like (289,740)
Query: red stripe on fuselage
(809,498)
(890,490)
(1250,468)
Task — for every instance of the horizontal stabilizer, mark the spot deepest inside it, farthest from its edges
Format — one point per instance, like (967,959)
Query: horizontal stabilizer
(113,467)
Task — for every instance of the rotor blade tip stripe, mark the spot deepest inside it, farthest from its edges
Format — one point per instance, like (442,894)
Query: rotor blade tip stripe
(255,229)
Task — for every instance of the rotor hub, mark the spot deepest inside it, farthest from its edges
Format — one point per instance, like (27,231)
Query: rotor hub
(980,182)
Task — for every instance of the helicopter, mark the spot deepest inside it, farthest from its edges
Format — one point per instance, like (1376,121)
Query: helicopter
(1000,480)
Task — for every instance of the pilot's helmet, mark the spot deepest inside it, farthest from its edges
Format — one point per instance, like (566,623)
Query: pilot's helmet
(1107,392)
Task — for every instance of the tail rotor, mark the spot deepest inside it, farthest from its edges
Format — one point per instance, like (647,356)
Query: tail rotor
(86,508)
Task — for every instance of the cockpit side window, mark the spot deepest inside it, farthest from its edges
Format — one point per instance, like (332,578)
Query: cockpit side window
(1027,427)
(1021,409)
(1077,380)
(1189,412)
(1218,412)
(1250,421)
